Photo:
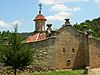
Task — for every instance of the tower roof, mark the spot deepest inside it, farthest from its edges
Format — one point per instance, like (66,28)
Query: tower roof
(40,17)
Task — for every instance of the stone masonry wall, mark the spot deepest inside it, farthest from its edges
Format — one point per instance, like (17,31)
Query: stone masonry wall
(94,52)
(70,50)
(44,55)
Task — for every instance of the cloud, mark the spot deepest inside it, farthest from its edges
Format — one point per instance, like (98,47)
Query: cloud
(58,17)
(76,9)
(16,22)
(62,7)
(98,2)
(7,25)
(60,10)
(52,2)
(3,24)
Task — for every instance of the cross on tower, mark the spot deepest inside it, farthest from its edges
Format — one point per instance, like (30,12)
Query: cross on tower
(40,5)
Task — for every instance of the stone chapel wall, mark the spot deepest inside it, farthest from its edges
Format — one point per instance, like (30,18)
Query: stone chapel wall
(44,53)
(94,52)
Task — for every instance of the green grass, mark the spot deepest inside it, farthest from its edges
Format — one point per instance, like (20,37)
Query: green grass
(74,72)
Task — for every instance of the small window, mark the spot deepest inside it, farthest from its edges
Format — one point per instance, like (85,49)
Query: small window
(73,51)
(64,50)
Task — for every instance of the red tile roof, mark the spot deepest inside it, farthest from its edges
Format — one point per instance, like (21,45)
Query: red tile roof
(39,17)
(36,37)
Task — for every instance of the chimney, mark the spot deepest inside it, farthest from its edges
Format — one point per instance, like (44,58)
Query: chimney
(49,27)
(67,22)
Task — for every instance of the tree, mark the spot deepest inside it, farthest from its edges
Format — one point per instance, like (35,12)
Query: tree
(93,25)
(16,54)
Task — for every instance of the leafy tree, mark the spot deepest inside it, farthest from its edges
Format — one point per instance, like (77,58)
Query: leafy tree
(93,25)
(16,54)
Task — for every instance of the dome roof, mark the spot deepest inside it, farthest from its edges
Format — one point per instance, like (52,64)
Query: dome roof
(39,17)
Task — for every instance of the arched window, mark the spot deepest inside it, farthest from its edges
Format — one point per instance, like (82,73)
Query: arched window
(68,62)
(73,50)
(64,51)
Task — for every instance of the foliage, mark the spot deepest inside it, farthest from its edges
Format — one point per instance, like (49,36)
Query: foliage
(93,25)
(15,53)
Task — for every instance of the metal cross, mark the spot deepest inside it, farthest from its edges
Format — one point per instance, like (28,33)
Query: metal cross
(40,5)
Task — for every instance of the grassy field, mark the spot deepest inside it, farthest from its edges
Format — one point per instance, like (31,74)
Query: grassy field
(75,72)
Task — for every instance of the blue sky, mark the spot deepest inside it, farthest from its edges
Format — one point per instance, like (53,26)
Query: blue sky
(24,11)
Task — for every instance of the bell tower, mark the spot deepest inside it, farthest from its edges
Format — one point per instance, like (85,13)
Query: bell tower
(40,21)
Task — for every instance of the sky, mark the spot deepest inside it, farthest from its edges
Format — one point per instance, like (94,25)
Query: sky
(23,12)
